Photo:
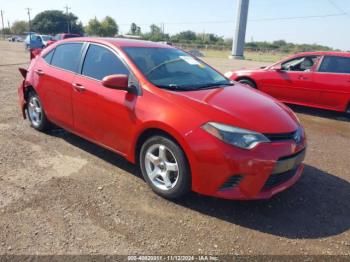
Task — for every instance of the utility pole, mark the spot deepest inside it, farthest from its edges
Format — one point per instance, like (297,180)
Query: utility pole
(240,30)
(30,22)
(2,20)
(67,8)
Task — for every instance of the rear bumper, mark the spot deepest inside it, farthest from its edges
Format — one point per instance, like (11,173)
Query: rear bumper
(21,101)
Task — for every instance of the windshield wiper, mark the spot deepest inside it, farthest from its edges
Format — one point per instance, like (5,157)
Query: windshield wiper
(173,87)
(214,85)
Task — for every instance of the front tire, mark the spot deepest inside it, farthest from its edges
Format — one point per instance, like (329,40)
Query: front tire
(35,112)
(248,83)
(164,167)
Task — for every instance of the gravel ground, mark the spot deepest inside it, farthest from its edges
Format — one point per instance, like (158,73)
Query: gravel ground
(60,194)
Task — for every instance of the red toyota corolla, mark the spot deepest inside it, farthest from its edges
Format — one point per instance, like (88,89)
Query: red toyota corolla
(315,79)
(186,125)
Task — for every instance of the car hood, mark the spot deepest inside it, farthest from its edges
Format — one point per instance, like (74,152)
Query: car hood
(248,71)
(242,107)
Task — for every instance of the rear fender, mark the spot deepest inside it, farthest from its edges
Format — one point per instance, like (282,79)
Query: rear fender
(22,90)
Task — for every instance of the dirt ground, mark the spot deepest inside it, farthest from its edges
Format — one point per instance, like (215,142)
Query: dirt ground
(60,194)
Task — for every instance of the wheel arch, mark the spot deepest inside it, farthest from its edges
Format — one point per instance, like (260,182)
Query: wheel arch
(25,89)
(154,130)
(247,78)
(347,109)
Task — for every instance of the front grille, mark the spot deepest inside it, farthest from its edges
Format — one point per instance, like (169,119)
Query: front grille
(231,182)
(278,179)
(280,137)
(289,162)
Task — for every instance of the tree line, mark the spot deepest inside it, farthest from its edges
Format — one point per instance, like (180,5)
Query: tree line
(55,21)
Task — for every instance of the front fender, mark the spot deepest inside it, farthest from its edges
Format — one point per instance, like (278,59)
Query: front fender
(180,138)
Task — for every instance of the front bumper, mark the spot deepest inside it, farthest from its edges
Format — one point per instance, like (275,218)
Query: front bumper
(225,171)
(265,193)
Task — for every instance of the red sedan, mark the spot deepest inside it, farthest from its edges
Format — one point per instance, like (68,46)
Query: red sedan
(187,126)
(62,36)
(315,79)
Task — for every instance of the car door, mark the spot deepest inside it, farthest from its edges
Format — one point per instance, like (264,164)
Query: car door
(101,114)
(292,80)
(333,80)
(35,41)
(56,82)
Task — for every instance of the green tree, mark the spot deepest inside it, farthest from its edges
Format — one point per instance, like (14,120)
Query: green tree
(155,30)
(138,31)
(184,37)
(156,34)
(6,31)
(19,27)
(108,27)
(55,21)
(133,29)
(93,27)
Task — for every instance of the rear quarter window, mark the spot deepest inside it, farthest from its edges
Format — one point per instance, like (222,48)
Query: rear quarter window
(67,56)
(48,56)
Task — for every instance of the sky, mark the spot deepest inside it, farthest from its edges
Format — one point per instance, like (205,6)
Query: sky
(325,22)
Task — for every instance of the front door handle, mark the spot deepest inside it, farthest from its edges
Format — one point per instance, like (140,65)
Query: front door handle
(303,78)
(39,72)
(78,87)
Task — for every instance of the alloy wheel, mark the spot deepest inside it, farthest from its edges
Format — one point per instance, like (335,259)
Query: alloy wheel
(161,167)
(35,111)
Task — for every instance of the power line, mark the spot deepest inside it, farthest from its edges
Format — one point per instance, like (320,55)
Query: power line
(335,6)
(250,20)
(297,17)
(338,7)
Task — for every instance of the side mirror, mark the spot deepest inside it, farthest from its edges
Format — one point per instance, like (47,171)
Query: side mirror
(277,68)
(120,82)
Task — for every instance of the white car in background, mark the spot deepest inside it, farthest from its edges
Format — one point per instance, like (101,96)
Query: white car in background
(45,39)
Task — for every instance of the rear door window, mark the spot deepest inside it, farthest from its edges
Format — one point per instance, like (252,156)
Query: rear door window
(100,62)
(67,56)
(335,64)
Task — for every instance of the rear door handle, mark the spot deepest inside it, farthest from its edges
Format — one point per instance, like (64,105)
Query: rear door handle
(78,87)
(39,72)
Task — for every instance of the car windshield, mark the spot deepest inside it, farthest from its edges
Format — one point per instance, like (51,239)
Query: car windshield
(46,37)
(57,37)
(174,69)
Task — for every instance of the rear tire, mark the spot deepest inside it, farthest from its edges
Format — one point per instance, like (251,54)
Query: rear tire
(164,167)
(348,110)
(36,113)
(248,83)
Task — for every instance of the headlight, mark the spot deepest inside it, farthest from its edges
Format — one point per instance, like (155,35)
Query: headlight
(235,136)
(228,74)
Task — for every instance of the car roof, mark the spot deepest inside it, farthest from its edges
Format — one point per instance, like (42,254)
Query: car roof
(118,42)
(324,53)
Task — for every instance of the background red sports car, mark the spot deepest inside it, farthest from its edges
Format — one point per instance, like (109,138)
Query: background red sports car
(316,79)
